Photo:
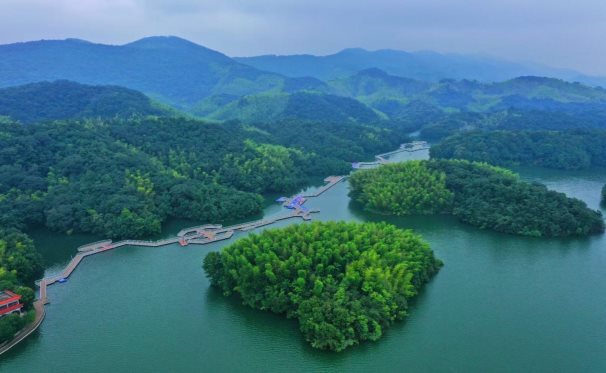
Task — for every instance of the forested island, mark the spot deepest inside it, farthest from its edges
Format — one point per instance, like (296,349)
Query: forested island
(344,282)
(484,196)
(566,150)
(111,161)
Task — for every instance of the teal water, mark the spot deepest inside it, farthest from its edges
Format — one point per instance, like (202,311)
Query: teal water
(501,303)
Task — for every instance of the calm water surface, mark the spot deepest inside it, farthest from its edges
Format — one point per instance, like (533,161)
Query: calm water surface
(500,304)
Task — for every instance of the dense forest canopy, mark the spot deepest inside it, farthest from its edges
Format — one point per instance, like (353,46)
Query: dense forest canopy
(306,106)
(372,86)
(478,194)
(419,190)
(344,282)
(36,102)
(123,177)
(570,150)
(441,125)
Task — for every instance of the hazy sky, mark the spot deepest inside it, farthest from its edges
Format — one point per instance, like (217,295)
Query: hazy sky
(562,33)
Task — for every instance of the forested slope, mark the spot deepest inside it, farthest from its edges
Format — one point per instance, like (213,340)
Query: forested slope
(568,150)
(478,194)
(68,100)
(123,177)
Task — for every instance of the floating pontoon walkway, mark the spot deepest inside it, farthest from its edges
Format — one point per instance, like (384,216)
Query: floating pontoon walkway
(200,235)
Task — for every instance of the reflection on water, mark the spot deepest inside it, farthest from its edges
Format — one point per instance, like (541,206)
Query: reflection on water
(500,303)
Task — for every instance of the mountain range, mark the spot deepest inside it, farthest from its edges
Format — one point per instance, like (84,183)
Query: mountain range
(352,85)
(170,69)
(429,66)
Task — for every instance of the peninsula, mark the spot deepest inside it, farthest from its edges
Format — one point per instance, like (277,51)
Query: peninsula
(485,196)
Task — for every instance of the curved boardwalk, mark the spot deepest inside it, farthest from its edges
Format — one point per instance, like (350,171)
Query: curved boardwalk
(200,235)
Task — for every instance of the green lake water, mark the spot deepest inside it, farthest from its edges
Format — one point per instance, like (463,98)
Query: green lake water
(501,303)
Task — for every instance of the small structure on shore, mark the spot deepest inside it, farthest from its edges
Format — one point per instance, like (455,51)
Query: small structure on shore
(10,303)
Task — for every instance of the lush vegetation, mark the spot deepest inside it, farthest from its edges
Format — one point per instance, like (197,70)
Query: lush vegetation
(561,150)
(123,177)
(11,324)
(344,282)
(300,105)
(402,189)
(527,93)
(20,266)
(62,100)
(604,195)
(20,263)
(484,196)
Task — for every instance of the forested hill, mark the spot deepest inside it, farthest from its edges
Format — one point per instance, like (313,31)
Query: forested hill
(124,177)
(307,106)
(485,196)
(391,94)
(69,100)
(345,282)
(174,70)
(373,94)
(569,150)
(194,78)
(429,66)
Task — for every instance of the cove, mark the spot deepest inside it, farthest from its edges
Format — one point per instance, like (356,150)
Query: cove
(500,303)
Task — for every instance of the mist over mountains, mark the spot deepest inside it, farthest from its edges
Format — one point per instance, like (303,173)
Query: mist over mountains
(353,85)
(425,65)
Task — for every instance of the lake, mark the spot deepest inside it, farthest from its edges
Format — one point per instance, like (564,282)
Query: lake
(501,303)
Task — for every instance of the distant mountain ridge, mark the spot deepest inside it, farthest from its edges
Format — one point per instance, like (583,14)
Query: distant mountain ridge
(429,66)
(392,94)
(385,84)
(171,69)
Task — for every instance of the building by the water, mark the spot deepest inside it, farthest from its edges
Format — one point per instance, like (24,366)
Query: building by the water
(9,303)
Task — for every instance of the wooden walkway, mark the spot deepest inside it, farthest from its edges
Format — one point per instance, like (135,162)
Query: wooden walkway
(200,235)
(330,181)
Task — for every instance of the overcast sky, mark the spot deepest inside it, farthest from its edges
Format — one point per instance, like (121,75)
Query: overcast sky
(561,33)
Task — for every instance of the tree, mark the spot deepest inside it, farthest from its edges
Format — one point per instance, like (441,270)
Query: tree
(344,282)
(476,193)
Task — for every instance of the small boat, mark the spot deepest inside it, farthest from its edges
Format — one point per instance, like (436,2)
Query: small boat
(62,280)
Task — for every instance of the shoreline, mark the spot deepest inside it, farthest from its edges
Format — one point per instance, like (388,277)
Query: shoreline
(204,234)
